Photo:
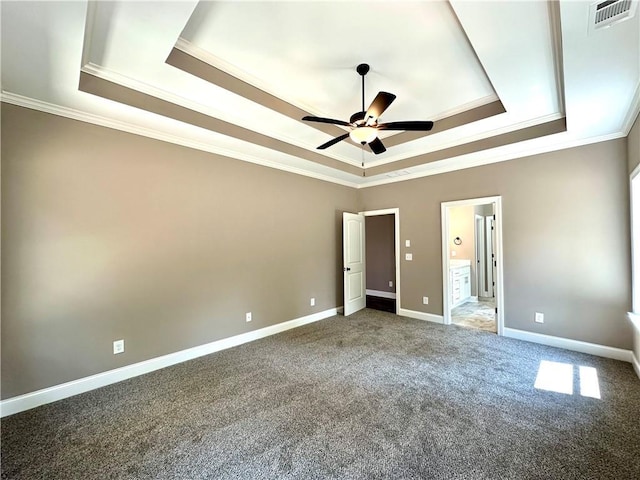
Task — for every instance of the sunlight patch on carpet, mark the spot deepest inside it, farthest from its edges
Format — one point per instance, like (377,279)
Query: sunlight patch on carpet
(559,377)
(589,386)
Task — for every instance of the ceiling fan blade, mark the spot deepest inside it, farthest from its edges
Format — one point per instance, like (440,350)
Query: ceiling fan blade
(377,146)
(309,118)
(379,105)
(410,126)
(333,141)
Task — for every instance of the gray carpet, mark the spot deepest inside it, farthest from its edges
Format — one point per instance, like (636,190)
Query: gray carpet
(372,396)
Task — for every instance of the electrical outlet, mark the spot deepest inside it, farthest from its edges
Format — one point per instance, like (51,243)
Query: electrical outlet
(390,283)
(313,302)
(248,316)
(539,317)
(453,253)
(425,300)
(118,347)
(408,256)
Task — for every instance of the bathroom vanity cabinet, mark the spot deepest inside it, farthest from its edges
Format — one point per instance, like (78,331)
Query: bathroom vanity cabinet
(460,282)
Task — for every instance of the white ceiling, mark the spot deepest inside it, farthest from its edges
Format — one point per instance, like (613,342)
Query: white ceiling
(441,59)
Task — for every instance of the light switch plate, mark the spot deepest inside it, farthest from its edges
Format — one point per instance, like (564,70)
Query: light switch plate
(407,243)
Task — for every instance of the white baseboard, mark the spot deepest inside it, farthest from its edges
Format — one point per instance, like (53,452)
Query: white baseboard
(429,317)
(65,390)
(568,344)
(636,364)
(634,318)
(380,293)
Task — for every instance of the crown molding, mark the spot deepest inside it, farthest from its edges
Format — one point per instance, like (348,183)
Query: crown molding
(465,107)
(487,157)
(474,138)
(209,58)
(555,23)
(219,72)
(147,89)
(632,113)
(74,114)
(89,26)
(437,168)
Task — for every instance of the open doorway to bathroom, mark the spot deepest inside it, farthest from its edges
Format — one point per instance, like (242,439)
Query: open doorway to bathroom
(472,263)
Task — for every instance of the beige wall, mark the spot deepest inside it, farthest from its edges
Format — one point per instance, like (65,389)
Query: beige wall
(633,154)
(462,224)
(565,232)
(381,258)
(633,145)
(107,235)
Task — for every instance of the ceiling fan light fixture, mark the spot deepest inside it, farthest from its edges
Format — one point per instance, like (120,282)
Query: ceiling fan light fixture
(363,134)
(364,126)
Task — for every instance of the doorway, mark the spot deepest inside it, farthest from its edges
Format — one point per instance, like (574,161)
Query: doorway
(381,264)
(472,263)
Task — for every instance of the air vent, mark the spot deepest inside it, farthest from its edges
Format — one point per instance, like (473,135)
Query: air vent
(607,13)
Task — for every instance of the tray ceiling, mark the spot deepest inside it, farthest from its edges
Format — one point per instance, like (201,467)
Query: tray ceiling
(500,79)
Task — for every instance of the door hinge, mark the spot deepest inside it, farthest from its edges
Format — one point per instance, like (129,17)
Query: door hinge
(494,216)
(496,309)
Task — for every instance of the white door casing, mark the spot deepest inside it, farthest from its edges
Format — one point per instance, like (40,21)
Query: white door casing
(353,252)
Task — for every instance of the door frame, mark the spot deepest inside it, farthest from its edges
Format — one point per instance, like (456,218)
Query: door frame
(446,248)
(396,213)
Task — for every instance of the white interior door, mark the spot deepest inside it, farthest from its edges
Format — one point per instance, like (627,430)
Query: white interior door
(353,252)
(490,256)
(480,267)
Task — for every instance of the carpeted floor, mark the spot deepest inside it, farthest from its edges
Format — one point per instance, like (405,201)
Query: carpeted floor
(476,314)
(372,396)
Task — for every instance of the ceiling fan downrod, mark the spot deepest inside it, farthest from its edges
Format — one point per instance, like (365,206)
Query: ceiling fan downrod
(362,69)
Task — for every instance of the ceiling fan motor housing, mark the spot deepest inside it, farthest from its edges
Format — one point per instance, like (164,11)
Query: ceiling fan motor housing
(357,117)
(362,69)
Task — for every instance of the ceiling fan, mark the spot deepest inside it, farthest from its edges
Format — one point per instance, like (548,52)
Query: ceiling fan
(364,125)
